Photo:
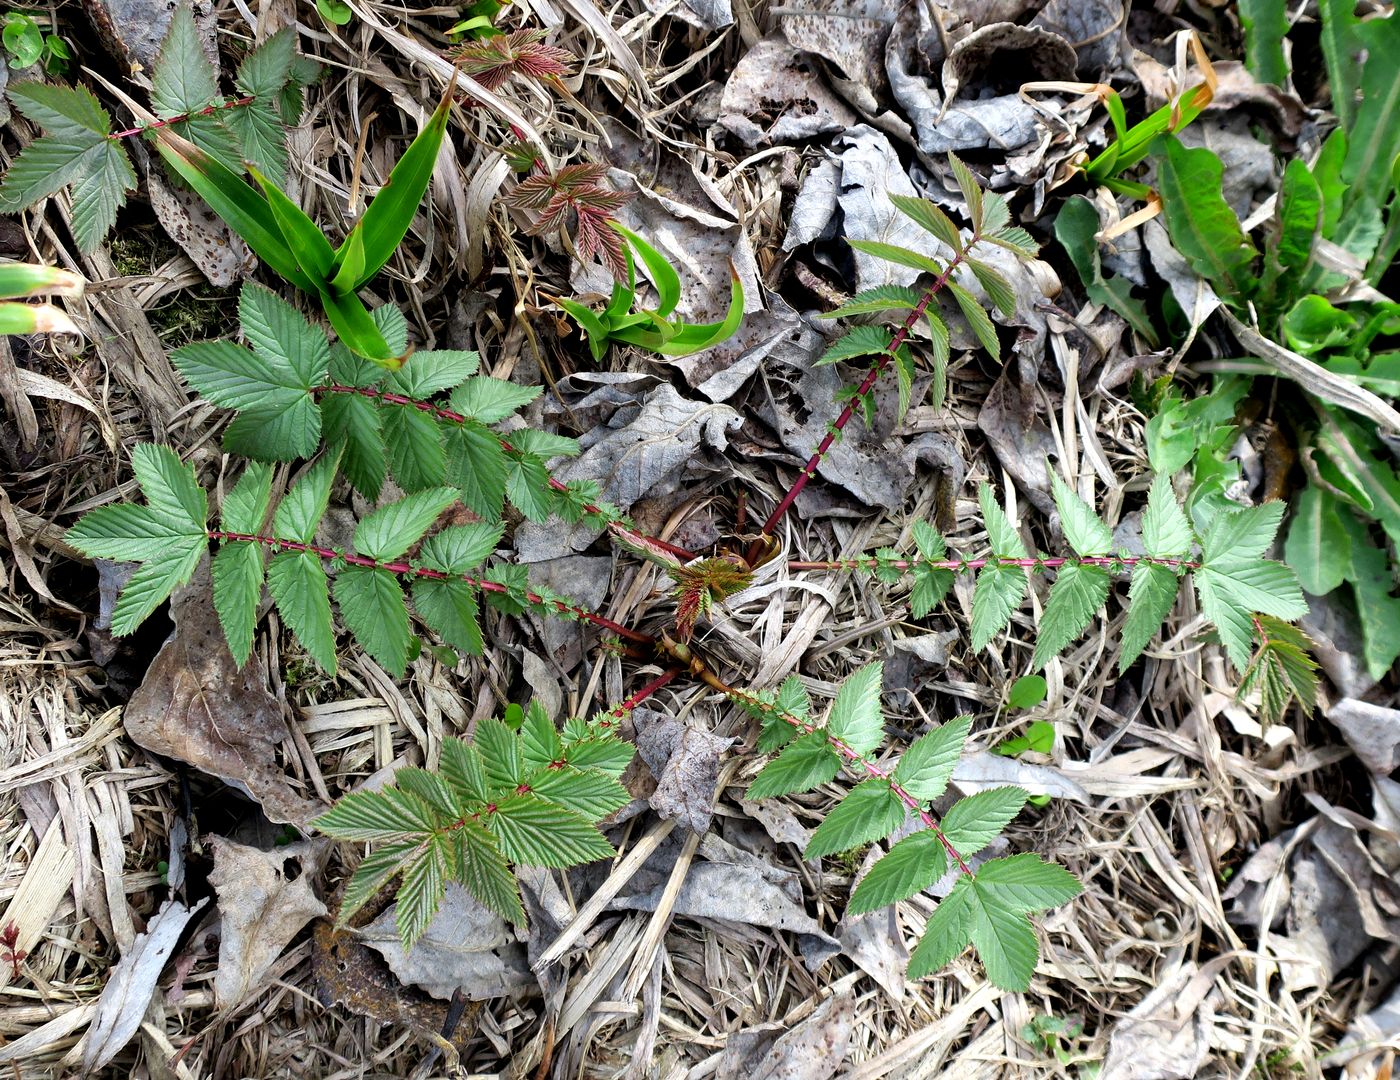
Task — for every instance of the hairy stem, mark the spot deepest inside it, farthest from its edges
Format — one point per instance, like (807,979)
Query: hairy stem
(871,563)
(876,370)
(562,606)
(620,711)
(441,413)
(206,111)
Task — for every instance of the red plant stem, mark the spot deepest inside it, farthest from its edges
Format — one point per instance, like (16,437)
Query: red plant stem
(206,111)
(457,418)
(645,692)
(977,564)
(876,370)
(436,575)
(870,769)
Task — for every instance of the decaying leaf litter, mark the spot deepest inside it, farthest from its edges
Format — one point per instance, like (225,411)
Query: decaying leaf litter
(1240,909)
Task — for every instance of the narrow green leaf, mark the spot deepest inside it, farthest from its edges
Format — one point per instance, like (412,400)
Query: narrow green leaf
(1340,50)
(298,585)
(1027,883)
(977,319)
(929,216)
(464,772)
(1317,546)
(1166,534)
(911,866)
(422,888)
(927,766)
(1084,530)
(870,811)
(998,592)
(393,529)
(1078,594)
(415,448)
(591,794)
(170,486)
(302,508)
(371,605)
(997,288)
(237,573)
(1150,599)
(971,191)
(1202,225)
(803,764)
(487,875)
(1004,939)
(154,580)
(358,330)
(947,932)
(855,716)
(662,274)
(877,301)
(533,832)
(374,870)
(974,822)
(901,256)
(690,338)
(1373,137)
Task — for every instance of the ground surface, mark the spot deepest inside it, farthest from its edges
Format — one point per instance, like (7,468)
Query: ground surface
(762,136)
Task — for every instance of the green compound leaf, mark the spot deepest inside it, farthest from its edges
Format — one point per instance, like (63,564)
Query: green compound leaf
(1084,530)
(878,301)
(998,592)
(487,875)
(1150,599)
(423,886)
(974,822)
(533,832)
(1027,883)
(391,530)
(460,548)
(352,424)
(855,342)
(1078,594)
(1243,534)
(170,486)
(299,587)
(376,815)
(183,79)
(927,766)
(154,581)
(245,506)
(450,608)
(372,607)
(804,764)
(870,811)
(431,371)
(977,319)
(910,867)
(1004,939)
(855,717)
(929,216)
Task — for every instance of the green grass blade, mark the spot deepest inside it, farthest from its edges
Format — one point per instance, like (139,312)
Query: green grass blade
(359,331)
(663,274)
(303,236)
(694,338)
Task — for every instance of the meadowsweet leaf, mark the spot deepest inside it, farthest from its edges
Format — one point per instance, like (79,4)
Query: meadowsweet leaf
(415,447)
(462,768)
(298,585)
(996,214)
(1004,939)
(489,401)
(929,216)
(266,69)
(857,341)
(1150,599)
(910,867)
(391,530)
(1243,534)
(590,793)
(450,608)
(927,766)
(430,371)
(352,423)
(500,755)
(794,699)
(1231,589)
(877,301)
(421,891)
(539,738)
(971,191)
(279,334)
(371,605)
(855,716)
(930,584)
(430,788)
(1001,534)
(260,134)
(238,378)
(1027,883)
(1166,534)
(870,811)
(947,932)
(170,486)
(1084,530)
(486,874)
(998,592)
(374,870)
(182,80)
(154,580)
(245,506)
(386,814)
(901,256)
(237,572)
(977,319)
(974,822)
(1015,240)
(301,509)
(1281,670)
(458,549)
(1078,594)
(609,755)
(76,151)
(803,764)
(129,533)
(997,288)
(476,466)
(533,832)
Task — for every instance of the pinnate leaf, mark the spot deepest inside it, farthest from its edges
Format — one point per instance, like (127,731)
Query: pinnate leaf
(488,401)
(977,319)
(877,301)
(422,889)
(431,371)
(302,508)
(154,580)
(451,609)
(415,450)
(245,506)
(871,811)
(387,814)
(1027,883)
(998,592)
(391,530)
(974,822)
(927,766)
(911,866)
(803,764)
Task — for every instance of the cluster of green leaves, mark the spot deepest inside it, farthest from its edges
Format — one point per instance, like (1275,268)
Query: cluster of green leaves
(532,797)
(987,906)
(990,219)
(294,390)
(80,150)
(168,536)
(282,235)
(650,328)
(1236,586)
(26,43)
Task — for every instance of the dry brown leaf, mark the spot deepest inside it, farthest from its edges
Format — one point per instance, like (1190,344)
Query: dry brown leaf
(685,761)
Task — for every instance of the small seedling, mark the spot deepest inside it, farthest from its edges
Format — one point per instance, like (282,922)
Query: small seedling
(1026,692)
(650,328)
(12,955)
(26,43)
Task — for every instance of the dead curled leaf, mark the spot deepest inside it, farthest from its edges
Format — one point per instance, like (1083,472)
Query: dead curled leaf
(265,898)
(197,707)
(685,761)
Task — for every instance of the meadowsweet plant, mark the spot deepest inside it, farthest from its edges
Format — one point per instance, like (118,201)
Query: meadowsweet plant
(531,796)
(81,151)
